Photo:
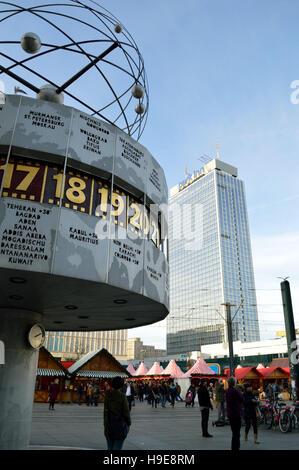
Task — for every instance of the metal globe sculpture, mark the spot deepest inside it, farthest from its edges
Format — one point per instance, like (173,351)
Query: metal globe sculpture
(139,108)
(31,43)
(118,28)
(101,59)
(138,91)
(83,205)
(48,93)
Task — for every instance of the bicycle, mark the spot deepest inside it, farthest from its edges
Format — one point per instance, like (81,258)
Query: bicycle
(288,419)
(273,413)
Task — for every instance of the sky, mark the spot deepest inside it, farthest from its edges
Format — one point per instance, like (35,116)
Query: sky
(221,71)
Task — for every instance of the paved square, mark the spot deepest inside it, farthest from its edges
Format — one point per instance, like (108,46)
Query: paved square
(73,426)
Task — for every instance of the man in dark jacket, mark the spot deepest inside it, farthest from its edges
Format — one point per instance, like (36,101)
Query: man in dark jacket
(205,406)
(220,400)
(234,410)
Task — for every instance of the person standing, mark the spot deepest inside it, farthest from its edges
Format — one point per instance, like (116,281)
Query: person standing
(117,419)
(178,392)
(141,392)
(89,393)
(164,394)
(192,390)
(205,404)
(53,393)
(96,394)
(234,407)
(80,391)
(172,393)
(250,404)
(130,393)
(220,400)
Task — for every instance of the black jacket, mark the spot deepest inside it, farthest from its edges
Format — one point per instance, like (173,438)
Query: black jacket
(249,407)
(204,397)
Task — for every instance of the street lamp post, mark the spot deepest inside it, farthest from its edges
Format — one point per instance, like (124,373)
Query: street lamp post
(229,329)
(230,337)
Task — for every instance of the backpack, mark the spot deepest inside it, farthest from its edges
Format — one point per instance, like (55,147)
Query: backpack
(189,397)
(218,423)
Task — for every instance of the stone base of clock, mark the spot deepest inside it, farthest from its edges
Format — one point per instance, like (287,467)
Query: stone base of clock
(17,378)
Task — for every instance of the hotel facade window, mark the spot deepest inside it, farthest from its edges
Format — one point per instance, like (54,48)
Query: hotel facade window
(216,267)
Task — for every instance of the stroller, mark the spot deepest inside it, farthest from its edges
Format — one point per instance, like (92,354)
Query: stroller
(188,399)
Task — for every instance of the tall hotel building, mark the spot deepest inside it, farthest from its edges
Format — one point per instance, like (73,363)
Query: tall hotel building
(216,267)
(72,345)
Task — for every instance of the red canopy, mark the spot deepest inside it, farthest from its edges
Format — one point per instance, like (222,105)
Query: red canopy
(241,373)
(268,371)
(66,364)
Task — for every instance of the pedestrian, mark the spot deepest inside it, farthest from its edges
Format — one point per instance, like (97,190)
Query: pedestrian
(89,393)
(269,392)
(178,392)
(172,393)
(130,393)
(106,387)
(234,408)
(79,391)
(96,394)
(205,404)
(276,391)
(250,404)
(117,420)
(163,394)
(192,390)
(53,393)
(155,395)
(220,399)
(141,391)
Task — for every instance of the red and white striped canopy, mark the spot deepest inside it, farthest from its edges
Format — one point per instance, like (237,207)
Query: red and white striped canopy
(131,369)
(142,370)
(155,369)
(200,367)
(173,370)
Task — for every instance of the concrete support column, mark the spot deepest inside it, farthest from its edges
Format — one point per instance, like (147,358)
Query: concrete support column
(17,378)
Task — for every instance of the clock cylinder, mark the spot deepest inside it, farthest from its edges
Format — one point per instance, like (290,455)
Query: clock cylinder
(19,372)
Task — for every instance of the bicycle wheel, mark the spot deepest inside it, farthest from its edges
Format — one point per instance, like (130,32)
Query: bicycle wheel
(285,421)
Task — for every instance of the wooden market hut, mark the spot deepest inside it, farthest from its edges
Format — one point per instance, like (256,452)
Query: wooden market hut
(273,374)
(48,368)
(96,366)
(248,375)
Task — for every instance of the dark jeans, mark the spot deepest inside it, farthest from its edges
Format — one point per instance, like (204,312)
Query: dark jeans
(130,399)
(204,421)
(51,404)
(250,420)
(114,444)
(235,424)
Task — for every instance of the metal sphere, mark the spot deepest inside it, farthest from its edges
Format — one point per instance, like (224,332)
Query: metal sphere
(118,28)
(31,43)
(48,93)
(138,91)
(140,108)
(82,51)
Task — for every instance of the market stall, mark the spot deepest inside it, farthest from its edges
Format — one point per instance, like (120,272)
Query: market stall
(48,369)
(96,367)
(270,375)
